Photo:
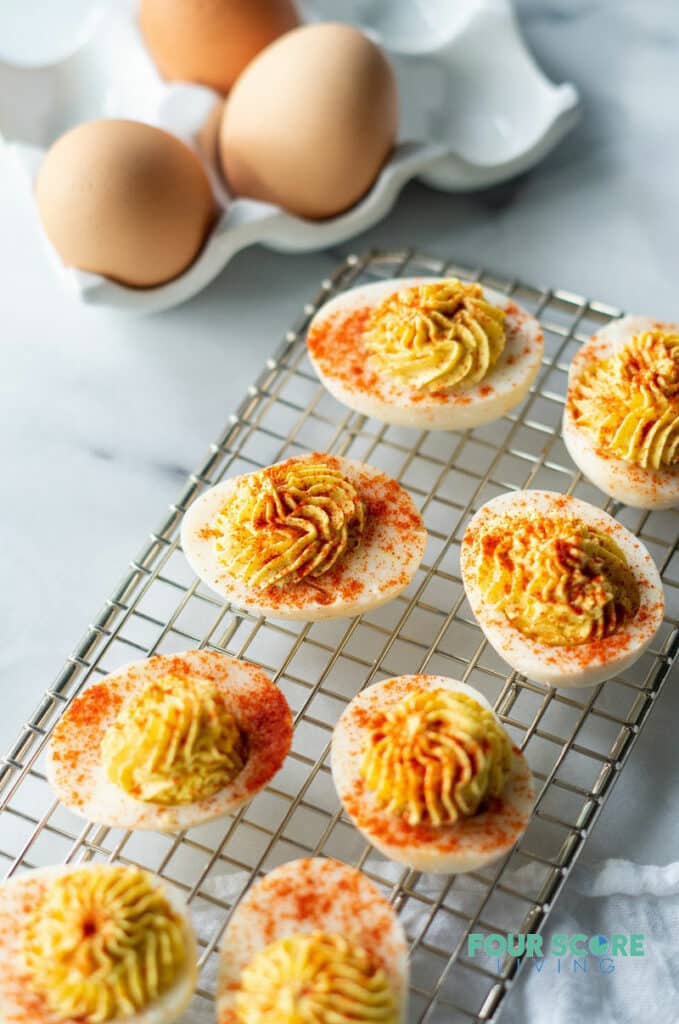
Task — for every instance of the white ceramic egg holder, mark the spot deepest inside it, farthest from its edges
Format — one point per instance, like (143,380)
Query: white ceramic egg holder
(491,109)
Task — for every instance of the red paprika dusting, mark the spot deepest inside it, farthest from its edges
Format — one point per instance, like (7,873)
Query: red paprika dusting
(260,708)
(393,536)
(312,894)
(19,899)
(492,830)
(489,523)
(207,532)
(646,479)
(336,345)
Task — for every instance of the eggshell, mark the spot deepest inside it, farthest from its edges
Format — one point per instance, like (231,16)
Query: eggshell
(211,41)
(310,121)
(76,772)
(467,845)
(125,200)
(20,1005)
(338,354)
(580,664)
(312,894)
(624,481)
(207,137)
(391,549)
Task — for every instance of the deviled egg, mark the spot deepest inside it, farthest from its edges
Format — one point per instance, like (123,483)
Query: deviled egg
(314,940)
(93,943)
(428,774)
(563,592)
(621,421)
(313,537)
(430,353)
(170,742)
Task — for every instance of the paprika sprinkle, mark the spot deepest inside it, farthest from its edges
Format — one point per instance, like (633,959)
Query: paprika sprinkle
(434,353)
(426,771)
(621,421)
(96,943)
(318,536)
(313,941)
(170,742)
(563,592)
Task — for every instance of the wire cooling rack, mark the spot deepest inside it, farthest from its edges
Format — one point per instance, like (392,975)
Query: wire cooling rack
(576,742)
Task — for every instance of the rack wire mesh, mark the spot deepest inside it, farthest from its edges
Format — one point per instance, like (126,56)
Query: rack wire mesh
(576,741)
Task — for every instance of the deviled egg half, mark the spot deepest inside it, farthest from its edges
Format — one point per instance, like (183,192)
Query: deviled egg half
(430,353)
(93,943)
(563,592)
(313,941)
(170,742)
(425,770)
(313,537)
(621,421)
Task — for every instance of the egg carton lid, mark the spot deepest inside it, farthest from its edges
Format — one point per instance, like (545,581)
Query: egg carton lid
(462,128)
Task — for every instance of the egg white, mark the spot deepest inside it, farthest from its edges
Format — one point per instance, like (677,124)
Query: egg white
(335,898)
(450,849)
(17,1003)
(391,401)
(580,664)
(76,772)
(633,485)
(374,572)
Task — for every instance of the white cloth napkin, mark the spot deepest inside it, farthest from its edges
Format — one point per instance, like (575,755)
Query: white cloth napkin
(615,896)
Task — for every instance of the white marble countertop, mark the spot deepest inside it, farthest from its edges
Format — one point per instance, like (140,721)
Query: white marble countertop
(102,417)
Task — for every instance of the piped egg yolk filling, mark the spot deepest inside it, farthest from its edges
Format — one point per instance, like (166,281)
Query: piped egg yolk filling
(103,944)
(176,742)
(289,522)
(628,404)
(557,580)
(314,978)
(437,336)
(437,756)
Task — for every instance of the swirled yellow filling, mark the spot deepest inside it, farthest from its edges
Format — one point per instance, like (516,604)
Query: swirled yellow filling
(174,743)
(628,403)
(314,978)
(288,522)
(437,756)
(437,336)
(103,944)
(557,579)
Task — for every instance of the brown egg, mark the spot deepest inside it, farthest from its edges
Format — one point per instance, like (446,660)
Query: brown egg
(125,200)
(211,41)
(311,121)
(207,137)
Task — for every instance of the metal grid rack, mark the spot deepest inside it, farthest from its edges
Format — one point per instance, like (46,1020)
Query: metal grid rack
(576,741)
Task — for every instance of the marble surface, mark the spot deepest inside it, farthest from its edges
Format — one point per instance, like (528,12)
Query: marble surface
(102,417)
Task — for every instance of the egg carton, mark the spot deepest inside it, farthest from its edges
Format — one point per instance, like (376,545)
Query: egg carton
(472,115)
(576,741)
